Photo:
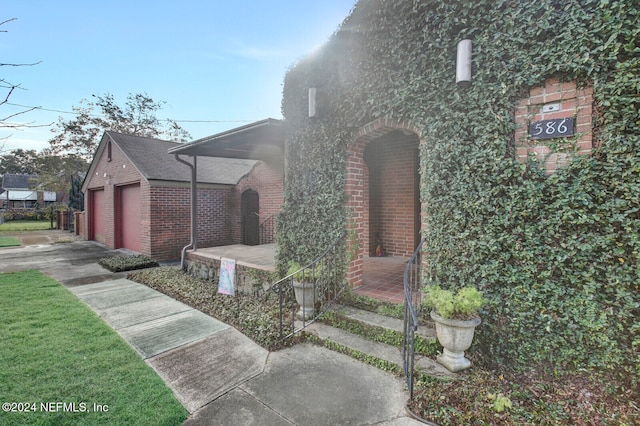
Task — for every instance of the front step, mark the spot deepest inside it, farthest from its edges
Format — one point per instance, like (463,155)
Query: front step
(379,354)
(426,331)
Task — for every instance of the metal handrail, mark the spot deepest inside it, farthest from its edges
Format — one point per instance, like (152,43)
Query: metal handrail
(412,282)
(325,273)
(267,229)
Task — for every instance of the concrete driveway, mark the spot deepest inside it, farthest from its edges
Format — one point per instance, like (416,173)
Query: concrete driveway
(60,255)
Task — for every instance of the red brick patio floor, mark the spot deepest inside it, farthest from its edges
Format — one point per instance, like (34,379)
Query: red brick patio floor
(383,278)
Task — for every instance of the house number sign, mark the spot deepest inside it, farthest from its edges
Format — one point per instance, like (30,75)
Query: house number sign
(547,129)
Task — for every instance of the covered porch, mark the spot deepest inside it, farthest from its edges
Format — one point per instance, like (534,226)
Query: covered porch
(382,276)
(261,257)
(264,141)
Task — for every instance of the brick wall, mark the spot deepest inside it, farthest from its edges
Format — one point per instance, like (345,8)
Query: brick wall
(357,189)
(268,181)
(170,219)
(573,102)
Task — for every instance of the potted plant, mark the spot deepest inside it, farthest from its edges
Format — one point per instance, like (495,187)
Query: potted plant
(304,289)
(456,317)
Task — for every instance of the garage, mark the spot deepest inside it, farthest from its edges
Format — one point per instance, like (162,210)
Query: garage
(129,226)
(137,196)
(97,221)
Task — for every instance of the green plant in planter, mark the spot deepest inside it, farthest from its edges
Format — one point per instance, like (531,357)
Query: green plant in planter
(463,305)
(306,275)
(455,317)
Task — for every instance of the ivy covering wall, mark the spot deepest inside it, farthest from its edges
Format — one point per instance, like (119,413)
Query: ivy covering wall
(557,255)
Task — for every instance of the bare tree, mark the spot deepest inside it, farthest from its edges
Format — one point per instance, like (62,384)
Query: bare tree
(8,88)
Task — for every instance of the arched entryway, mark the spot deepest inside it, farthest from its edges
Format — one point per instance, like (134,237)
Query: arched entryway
(250,209)
(394,210)
(383,200)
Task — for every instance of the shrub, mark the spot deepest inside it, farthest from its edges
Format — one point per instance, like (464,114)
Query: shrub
(127,263)
(462,305)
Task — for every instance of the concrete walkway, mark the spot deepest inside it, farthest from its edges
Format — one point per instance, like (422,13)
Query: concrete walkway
(217,373)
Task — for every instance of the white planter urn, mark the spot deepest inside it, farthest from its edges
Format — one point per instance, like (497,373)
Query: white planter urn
(305,296)
(456,337)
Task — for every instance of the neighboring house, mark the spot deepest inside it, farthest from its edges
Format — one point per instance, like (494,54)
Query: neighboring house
(137,196)
(21,192)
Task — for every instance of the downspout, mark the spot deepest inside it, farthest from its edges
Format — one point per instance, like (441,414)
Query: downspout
(194,214)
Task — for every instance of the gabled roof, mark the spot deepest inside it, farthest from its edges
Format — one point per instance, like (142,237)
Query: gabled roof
(151,158)
(15,181)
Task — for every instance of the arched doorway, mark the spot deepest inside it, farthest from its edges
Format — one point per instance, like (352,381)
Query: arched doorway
(384,203)
(394,207)
(250,209)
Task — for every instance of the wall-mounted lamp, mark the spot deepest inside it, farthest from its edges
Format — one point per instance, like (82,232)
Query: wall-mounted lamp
(463,64)
(312,101)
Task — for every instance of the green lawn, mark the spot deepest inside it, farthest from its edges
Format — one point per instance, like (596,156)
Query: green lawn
(57,355)
(26,225)
(9,241)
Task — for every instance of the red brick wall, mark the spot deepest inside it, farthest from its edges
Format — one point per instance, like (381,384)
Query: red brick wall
(170,219)
(357,189)
(574,102)
(268,181)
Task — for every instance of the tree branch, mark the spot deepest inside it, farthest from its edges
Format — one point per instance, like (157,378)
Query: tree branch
(19,65)
(4,22)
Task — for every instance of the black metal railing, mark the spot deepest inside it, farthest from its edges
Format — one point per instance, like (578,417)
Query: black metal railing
(412,300)
(267,229)
(318,285)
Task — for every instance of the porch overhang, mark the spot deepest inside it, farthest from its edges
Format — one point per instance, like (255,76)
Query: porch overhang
(262,140)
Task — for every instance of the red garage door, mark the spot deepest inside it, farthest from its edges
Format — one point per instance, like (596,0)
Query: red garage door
(129,215)
(96,216)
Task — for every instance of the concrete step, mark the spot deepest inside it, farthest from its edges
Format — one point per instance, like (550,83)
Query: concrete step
(362,345)
(426,330)
(381,351)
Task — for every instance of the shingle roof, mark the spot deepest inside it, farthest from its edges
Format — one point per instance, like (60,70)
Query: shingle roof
(14,181)
(151,158)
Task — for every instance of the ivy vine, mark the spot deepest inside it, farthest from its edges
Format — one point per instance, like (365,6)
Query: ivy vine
(556,255)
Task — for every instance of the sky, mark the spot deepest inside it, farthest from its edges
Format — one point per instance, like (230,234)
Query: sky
(218,64)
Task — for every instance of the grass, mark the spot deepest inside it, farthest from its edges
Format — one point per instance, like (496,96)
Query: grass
(9,241)
(26,225)
(56,350)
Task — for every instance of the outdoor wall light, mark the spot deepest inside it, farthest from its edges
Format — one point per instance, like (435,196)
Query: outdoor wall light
(463,64)
(312,102)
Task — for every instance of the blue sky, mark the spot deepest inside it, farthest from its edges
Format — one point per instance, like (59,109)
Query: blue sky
(211,60)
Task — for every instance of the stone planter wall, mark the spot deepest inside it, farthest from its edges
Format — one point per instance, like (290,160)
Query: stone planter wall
(248,281)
